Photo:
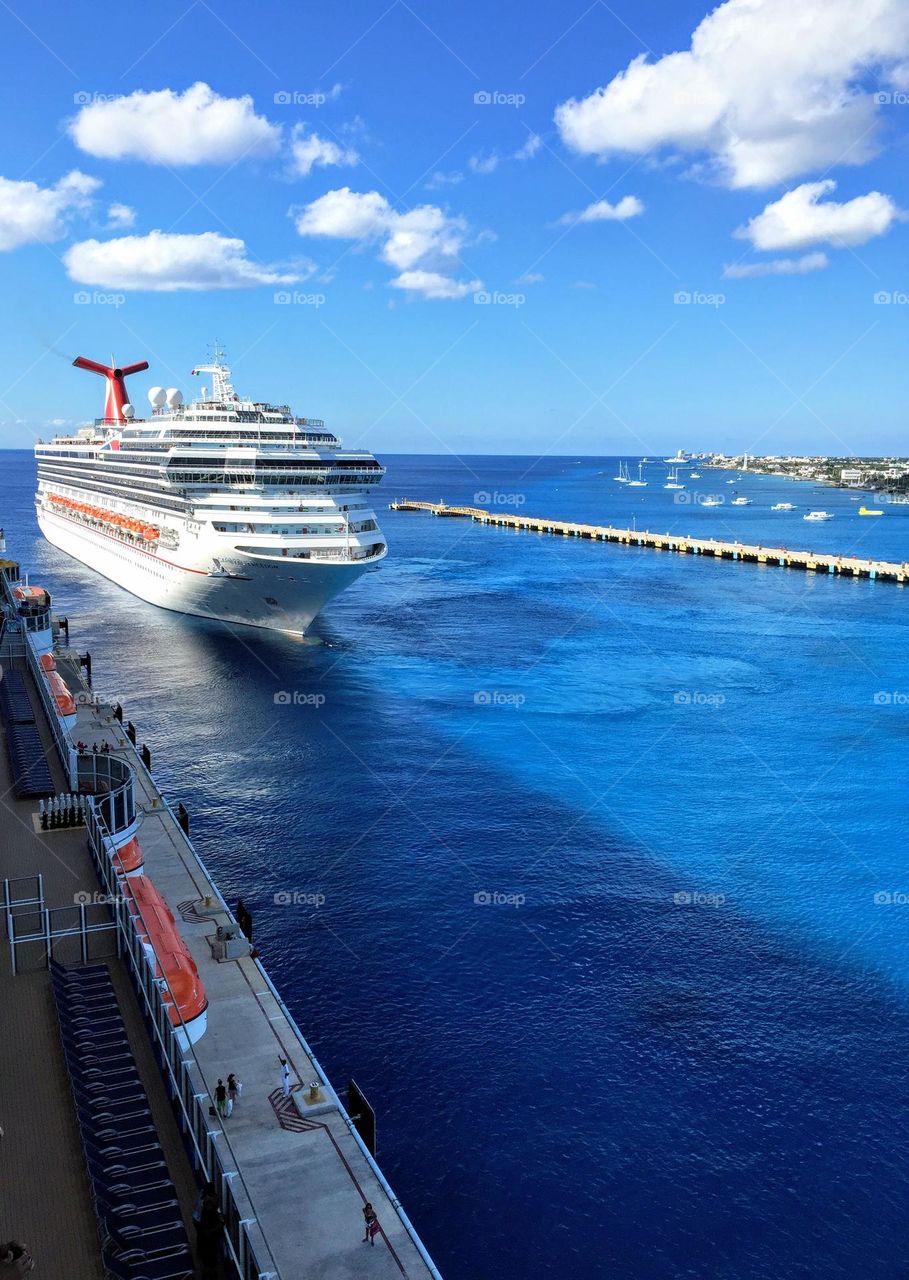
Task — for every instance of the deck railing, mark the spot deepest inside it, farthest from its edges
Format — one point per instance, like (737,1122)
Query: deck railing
(183,1077)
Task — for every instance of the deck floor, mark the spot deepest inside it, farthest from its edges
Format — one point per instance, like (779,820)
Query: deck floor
(44,1193)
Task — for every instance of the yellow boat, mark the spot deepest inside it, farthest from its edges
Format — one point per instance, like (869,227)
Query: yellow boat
(867,511)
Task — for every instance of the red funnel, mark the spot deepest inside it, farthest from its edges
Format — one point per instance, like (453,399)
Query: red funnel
(116,396)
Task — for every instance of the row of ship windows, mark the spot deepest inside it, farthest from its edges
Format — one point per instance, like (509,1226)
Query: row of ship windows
(311,480)
(301,509)
(144,491)
(146,494)
(155,573)
(323,529)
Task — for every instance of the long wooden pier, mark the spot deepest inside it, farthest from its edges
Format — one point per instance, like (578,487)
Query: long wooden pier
(811,561)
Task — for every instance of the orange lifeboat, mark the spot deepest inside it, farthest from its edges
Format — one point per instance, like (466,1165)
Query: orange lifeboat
(66,703)
(47,662)
(31,594)
(129,858)
(185,997)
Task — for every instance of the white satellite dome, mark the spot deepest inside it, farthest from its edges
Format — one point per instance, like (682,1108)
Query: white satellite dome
(128,411)
(156,397)
(174,397)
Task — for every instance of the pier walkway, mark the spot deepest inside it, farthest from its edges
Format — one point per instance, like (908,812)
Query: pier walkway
(812,561)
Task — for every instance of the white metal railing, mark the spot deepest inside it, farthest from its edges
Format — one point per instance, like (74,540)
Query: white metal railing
(65,749)
(52,925)
(183,1076)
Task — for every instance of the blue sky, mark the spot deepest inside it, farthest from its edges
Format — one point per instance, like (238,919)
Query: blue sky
(378,209)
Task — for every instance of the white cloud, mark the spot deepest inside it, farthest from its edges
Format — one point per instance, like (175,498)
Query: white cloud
(603,211)
(344,215)
(431,284)
(30,213)
(530,147)
(163,263)
(800,218)
(768,89)
(440,179)
(484,164)
(776,267)
(309,150)
(120,216)
(164,127)
(422,244)
(424,235)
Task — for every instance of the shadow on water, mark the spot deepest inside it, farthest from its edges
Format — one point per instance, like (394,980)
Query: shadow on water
(600,1078)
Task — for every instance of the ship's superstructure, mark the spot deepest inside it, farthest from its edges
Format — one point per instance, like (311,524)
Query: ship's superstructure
(223,507)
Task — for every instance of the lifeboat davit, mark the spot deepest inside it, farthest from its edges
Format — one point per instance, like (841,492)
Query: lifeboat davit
(185,997)
(66,703)
(129,858)
(147,532)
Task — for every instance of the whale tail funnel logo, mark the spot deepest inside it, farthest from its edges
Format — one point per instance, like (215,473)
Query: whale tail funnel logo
(116,399)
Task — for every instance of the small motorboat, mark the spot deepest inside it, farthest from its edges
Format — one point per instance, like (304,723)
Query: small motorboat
(869,511)
(818,515)
(712,501)
(783,506)
(741,502)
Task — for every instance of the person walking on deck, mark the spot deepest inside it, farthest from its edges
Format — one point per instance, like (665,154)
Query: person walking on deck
(221,1099)
(371,1223)
(233,1092)
(285,1077)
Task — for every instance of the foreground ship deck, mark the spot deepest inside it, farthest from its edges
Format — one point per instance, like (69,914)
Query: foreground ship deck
(292,1173)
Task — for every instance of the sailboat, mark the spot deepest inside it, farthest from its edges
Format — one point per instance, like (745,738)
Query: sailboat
(640,483)
(622,477)
(672,479)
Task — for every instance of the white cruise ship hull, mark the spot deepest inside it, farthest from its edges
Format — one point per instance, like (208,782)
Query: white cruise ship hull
(279,594)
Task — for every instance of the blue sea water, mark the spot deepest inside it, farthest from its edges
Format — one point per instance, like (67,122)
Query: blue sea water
(602,836)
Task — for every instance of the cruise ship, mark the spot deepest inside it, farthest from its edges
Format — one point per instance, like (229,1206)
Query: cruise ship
(222,507)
